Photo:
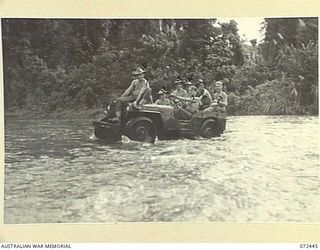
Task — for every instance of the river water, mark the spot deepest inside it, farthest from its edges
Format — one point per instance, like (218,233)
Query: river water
(263,169)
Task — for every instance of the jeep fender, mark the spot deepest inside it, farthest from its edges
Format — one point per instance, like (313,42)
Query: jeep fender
(146,124)
(220,123)
(143,117)
(207,124)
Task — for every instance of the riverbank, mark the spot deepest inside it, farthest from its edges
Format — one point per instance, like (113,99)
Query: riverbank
(88,113)
(31,114)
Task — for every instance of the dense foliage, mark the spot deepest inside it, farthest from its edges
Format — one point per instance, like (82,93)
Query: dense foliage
(58,64)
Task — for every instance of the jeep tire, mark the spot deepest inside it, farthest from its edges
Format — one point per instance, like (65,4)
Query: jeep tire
(141,129)
(209,129)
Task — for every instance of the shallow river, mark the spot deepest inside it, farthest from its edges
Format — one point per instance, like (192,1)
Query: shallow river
(263,169)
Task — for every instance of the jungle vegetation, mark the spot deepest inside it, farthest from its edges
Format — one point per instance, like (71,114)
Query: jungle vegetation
(75,64)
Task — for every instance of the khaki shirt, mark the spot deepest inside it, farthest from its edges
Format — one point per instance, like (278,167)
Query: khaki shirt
(193,106)
(166,102)
(181,93)
(206,96)
(222,96)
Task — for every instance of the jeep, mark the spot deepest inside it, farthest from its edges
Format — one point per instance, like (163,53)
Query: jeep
(150,121)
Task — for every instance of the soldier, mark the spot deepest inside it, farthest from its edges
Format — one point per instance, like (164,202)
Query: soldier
(138,92)
(202,92)
(163,98)
(220,99)
(179,91)
(193,104)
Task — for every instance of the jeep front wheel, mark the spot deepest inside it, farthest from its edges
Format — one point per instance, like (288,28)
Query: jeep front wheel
(141,129)
(209,129)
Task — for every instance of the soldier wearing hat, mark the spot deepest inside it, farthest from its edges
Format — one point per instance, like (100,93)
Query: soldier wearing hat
(193,104)
(203,93)
(139,92)
(163,98)
(179,91)
(188,84)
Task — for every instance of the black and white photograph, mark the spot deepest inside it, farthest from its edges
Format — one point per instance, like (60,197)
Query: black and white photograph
(161,120)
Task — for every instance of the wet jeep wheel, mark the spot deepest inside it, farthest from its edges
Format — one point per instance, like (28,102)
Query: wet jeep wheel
(209,129)
(107,135)
(141,129)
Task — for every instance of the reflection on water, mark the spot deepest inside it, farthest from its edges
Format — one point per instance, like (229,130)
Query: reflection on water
(264,169)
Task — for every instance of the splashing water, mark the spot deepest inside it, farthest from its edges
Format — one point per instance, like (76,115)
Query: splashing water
(263,169)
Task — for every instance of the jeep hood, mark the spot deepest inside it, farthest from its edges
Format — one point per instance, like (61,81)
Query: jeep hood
(165,111)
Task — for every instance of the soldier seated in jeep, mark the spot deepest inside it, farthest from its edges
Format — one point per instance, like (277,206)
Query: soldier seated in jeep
(163,100)
(220,99)
(205,95)
(149,121)
(193,104)
(139,92)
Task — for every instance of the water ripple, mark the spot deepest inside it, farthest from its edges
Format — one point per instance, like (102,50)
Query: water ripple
(263,169)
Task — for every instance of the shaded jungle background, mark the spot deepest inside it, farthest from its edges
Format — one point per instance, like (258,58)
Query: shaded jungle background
(54,65)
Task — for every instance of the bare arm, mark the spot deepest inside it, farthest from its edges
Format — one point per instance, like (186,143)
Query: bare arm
(186,99)
(128,90)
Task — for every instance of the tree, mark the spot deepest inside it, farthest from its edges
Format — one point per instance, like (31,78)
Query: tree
(280,32)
